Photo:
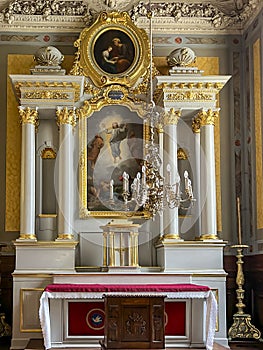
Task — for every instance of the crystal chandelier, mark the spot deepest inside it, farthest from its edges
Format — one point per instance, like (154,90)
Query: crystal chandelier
(149,189)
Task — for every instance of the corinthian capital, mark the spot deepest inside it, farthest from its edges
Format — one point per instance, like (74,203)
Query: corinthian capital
(204,118)
(28,116)
(171,117)
(65,116)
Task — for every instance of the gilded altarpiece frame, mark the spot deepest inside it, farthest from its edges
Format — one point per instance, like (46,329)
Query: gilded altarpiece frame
(112,141)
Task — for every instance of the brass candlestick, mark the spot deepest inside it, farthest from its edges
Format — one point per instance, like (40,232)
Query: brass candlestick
(242,327)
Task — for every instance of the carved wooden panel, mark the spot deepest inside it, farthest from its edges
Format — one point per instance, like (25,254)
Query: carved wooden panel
(134,323)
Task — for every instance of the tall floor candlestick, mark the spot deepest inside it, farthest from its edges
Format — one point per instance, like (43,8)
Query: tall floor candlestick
(242,327)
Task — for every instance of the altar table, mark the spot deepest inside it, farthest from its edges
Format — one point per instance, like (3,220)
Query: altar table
(100,291)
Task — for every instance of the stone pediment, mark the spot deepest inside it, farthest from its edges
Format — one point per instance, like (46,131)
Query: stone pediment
(226,16)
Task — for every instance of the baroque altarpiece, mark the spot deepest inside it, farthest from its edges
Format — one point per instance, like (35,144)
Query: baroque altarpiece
(108,192)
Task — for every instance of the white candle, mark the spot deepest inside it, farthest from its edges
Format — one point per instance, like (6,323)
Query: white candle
(143,176)
(138,182)
(186,183)
(111,188)
(190,191)
(124,181)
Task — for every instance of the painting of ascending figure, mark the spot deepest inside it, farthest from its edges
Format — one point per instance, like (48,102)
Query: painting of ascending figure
(115,144)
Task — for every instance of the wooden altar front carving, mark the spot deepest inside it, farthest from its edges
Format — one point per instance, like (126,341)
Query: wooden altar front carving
(134,323)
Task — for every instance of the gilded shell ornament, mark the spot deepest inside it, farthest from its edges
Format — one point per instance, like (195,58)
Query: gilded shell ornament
(48,56)
(181,57)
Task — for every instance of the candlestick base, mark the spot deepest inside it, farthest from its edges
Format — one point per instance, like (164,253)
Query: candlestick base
(242,328)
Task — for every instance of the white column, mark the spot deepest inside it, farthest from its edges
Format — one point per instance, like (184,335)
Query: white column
(197,180)
(29,121)
(170,216)
(207,175)
(66,121)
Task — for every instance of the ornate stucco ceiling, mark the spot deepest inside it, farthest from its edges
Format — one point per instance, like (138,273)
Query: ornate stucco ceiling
(209,16)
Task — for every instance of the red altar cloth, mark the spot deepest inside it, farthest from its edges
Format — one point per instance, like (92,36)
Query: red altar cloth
(99,291)
(123,288)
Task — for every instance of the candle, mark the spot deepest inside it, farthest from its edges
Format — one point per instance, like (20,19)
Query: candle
(143,176)
(186,182)
(190,190)
(124,181)
(238,222)
(111,189)
(138,182)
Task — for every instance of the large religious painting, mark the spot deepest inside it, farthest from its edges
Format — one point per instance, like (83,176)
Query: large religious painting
(113,140)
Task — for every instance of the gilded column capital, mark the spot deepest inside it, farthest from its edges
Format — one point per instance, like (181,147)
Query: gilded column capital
(65,116)
(204,118)
(171,117)
(29,116)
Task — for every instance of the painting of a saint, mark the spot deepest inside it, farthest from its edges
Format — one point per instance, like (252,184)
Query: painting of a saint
(114,51)
(114,146)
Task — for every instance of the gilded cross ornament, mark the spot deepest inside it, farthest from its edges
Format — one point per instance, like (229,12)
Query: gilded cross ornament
(65,116)
(29,116)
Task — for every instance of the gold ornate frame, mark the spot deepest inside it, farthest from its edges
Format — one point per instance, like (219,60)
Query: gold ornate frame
(92,113)
(92,42)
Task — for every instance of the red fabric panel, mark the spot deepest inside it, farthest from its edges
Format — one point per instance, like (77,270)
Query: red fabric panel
(86,318)
(175,318)
(55,287)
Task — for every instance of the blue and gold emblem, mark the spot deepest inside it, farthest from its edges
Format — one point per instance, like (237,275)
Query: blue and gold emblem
(95,319)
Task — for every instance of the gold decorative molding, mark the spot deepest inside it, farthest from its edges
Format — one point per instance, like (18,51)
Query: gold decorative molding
(189,96)
(48,153)
(46,94)
(47,215)
(66,116)
(29,116)
(65,236)
(51,85)
(25,294)
(26,236)
(205,87)
(181,154)
(171,117)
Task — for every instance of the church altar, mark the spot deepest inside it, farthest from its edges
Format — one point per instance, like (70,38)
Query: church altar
(101,291)
(83,235)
